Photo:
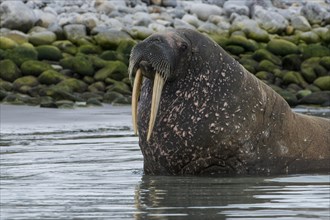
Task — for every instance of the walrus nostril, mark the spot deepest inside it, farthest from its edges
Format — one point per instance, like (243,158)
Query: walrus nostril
(147,70)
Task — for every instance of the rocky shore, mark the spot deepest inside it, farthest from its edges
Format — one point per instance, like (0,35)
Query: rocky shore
(62,54)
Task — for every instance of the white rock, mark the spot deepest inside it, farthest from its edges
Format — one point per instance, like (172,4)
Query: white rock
(104,6)
(45,18)
(191,19)
(141,19)
(16,15)
(314,12)
(236,6)
(74,31)
(169,3)
(182,24)
(300,23)
(157,27)
(203,11)
(90,20)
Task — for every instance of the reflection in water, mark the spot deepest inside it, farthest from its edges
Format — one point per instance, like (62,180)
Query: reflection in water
(85,164)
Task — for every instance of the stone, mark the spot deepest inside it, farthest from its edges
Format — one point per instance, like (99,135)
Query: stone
(96,87)
(50,77)
(83,66)
(300,23)
(236,6)
(65,104)
(325,62)
(20,54)
(192,20)
(48,52)
(111,38)
(323,82)
(7,43)
(61,92)
(3,95)
(247,44)
(266,76)
(314,12)
(268,66)
(30,81)
(309,67)
(74,85)
(140,32)
(203,11)
(291,62)
(250,64)
(169,3)
(17,36)
(315,50)
(118,86)
(294,77)
(271,21)
(9,71)
(6,86)
(115,69)
(316,98)
(309,37)
(73,32)
(235,50)
(15,15)
(42,38)
(302,93)
(66,46)
(89,49)
(263,54)
(34,67)
(111,96)
(46,17)
(289,97)
(94,102)
(282,47)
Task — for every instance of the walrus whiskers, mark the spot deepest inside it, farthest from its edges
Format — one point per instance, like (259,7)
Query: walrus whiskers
(159,82)
(135,97)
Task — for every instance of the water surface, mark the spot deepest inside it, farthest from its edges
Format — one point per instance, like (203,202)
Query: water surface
(86,164)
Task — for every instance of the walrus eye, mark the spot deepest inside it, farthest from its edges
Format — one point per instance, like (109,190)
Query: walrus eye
(183,47)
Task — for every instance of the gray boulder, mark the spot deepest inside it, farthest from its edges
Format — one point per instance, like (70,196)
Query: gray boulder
(314,13)
(236,6)
(300,23)
(270,21)
(16,15)
(203,11)
(74,31)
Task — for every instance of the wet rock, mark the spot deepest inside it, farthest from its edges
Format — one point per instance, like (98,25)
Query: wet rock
(271,21)
(7,43)
(66,46)
(268,66)
(97,87)
(73,32)
(291,62)
(50,77)
(34,67)
(282,47)
(74,85)
(16,15)
(302,93)
(203,11)
(30,81)
(111,96)
(9,71)
(325,62)
(3,94)
(67,104)
(48,103)
(315,50)
(318,98)
(117,86)
(115,69)
(314,12)
(89,49)
(20,54)
(294,77)
(236,6)
(47,52)
(42,38)
(300,23)
(323,82)
(263,54)
(111,38)
(93,102)
(247,44)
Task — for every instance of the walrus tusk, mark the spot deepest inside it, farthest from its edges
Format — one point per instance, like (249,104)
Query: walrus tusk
(156,94)
(135,98)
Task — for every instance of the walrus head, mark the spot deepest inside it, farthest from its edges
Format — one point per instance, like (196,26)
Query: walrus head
(157,58)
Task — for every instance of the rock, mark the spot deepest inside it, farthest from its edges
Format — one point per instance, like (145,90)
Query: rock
(6,86)
(73,32)
(247,44)
(42,38)
(203,11)
(75,85)
(325,62)
(34,67)
(97,87)
(236,6)
(67,104)
(318,98)
(117,86)
(9,71)
(46,17)
(89,49)
(169,3)
(50,77)
(79,64)
(15,15)
(140,32)
(302,93)
(90,20)
(250,64)
(141,19)
(3,95)
(323,82)
(315,50)
(309,37)
(271,21)
(112,96)
(47,102)
(66,46)
(17,36)
(125,48)
(20,54)
(290,98)
(314,12)
(235,50)
(98,62)
(30,81)
(300,23)
(291,62)
(104,7)
(266,76)
(309,67)
(263,54)
(282,47)
(111,39)
(7,43)
(61,92)
(93,102)
(294,77)
(47,52)
(192,20)
(115,69)
(268,66)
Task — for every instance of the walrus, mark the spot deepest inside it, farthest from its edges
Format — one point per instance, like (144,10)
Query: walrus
(198,111)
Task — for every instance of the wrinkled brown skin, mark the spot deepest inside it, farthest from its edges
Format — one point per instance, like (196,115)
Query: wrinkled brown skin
(217,118)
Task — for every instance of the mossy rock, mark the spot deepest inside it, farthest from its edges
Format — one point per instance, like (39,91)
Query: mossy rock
(5,85)
(9,71)
(79,64)
(47,52)
(6,43)
(309,37)
(61,92)
(125,48)
(266,76)
(325,62)
(323,82)
(66,46)
(294,77)
(315,50)
(30,81)
(2,54)
(263,54)
(258,35)
(250,64)
(20,54)
(34,67)
(3,94)
(116,70)
(111,39)
(247,44)
(17,36)
(118,86)
(316,98)
(98,62)
(325,36)
(111,96)
(97,87)
(73,84)
(302,93)
(65,104)
(311,69)
(50,77)
(268,66)
(89,49)
(88,79)
(112,55)
(234,49)
(42,38)
(289,97)
(282,47)
(291,62)
(220,39)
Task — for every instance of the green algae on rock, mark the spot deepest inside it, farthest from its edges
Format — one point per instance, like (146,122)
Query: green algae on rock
(34,67)
(48,52)
(50,77)
(282,47)
(9,71)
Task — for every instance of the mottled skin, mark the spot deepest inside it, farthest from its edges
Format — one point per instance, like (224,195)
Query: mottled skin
(217,118)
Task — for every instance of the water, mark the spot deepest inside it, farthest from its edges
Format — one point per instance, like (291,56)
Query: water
(85,164)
